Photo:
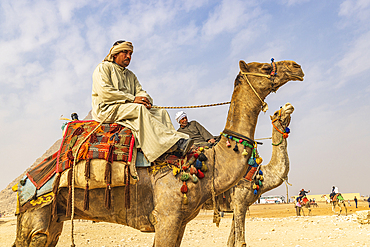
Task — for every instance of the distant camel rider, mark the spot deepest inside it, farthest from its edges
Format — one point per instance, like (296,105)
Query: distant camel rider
(195,130)
(334,191)
(302,193)
(116,86)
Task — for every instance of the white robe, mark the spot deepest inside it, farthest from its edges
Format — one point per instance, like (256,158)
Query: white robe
(153,129)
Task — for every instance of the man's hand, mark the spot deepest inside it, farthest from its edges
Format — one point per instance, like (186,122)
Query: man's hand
(212,140)
(144,101)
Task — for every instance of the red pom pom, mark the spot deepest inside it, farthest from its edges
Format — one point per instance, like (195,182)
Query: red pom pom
(184,188)
(285,135)
(196,155)
(200,174)
(185,168)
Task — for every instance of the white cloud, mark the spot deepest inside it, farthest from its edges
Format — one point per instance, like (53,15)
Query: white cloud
(355,60)
(228,17)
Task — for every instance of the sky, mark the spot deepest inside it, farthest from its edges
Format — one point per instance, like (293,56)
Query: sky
(187,53)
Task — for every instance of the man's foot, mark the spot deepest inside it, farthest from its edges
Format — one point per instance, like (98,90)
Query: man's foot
(184,145)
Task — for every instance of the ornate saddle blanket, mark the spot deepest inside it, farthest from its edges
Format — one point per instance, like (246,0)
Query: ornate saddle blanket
(110,142)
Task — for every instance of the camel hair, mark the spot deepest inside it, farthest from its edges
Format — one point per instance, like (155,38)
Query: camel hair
(274,173)
(156,199)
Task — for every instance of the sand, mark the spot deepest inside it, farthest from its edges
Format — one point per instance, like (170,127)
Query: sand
(267,224)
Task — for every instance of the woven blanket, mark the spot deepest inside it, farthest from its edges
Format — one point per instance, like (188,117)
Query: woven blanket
(110,142)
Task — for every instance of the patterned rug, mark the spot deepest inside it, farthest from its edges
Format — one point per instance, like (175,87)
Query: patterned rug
(110,142)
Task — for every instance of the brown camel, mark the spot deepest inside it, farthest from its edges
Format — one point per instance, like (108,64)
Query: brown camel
(274,174)
(156,200)
(340,203)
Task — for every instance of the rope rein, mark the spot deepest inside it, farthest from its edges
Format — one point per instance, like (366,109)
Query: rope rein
(192,106)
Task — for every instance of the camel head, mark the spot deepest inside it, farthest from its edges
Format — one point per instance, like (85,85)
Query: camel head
(283,115)
(268,77)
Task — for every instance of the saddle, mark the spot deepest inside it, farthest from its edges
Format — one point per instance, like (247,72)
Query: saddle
(104,157)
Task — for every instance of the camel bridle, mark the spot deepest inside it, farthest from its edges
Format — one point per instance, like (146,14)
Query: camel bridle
(271,76)
(284,133)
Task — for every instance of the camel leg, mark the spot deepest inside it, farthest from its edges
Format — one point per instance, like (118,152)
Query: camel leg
(34,229)
(167,230)
(240,210)
(231,239)
(181,234)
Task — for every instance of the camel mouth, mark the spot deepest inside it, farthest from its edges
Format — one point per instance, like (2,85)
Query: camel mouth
(296,77)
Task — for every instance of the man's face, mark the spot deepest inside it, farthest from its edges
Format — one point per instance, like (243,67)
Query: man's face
(183,122)
(123,58)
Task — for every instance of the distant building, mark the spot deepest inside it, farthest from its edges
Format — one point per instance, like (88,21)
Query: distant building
(271,199)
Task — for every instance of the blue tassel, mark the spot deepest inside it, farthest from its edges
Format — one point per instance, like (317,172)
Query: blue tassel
(198,164)
(287,130)
(260,172)
(255,192)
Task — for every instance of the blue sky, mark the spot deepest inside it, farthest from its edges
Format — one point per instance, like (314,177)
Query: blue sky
(187,53)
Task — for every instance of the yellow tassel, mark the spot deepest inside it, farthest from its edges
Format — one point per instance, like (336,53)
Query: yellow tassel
(204,167)
(185,200)
(254,186)
(245,152)
(175,170)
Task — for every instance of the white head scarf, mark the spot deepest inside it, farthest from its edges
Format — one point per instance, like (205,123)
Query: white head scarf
(180,115)
(124,46)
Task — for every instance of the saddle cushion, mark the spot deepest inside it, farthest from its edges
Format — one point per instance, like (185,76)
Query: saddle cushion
(97,175)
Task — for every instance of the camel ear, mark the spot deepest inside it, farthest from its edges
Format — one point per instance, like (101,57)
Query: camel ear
(272,118)
(243,66)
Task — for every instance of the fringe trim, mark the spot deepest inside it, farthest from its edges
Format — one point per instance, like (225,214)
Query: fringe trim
(87,168)
(69,200)
(86,197)
(54,209)
(108,197)
(127,187)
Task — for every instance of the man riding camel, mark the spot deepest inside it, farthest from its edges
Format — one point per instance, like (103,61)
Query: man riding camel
(118,97)
(195,130)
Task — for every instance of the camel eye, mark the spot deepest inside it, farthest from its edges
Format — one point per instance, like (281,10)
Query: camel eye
(266,69)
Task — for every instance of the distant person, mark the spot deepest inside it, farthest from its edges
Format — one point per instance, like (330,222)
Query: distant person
(349,203)
(302,193)
(194,130)
(334,191)
(368,200)
(355,199)
(298,206)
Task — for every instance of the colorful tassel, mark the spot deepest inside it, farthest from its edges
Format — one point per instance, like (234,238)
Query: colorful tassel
(202,157)
(236,149)
(204,167)
(175,170)
(198,164)
(185,200)
(285,135)
(193,170)
(184,188)
(200,174)
(184,176)
(255,192)
(245,153)
(194,179)
(228,143)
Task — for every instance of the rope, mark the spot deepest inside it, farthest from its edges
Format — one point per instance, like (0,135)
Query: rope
(216,214)
(193,106)
(73,171)
(264,104)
